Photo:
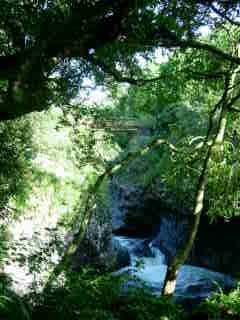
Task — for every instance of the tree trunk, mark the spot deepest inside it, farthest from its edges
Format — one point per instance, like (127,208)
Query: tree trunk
(91,202)
(212,148)
(172,270)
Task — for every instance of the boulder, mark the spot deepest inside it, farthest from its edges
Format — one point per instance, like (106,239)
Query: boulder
(194,284)
(121,254)
(216,246)
(143,214)
(132,213)
(96,247)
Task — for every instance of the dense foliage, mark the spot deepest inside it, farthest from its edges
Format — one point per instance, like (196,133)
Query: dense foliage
(48,47)
(55,165)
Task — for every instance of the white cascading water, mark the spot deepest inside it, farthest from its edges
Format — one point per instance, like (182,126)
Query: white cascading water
(192,282)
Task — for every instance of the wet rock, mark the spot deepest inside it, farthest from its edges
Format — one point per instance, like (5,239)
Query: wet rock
(216,247)
(96,247)
(143,250)
(132,213)
(172,232)
(194,284)
(137,213)
(122,257)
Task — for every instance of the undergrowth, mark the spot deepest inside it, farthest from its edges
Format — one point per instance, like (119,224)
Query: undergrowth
(88,296)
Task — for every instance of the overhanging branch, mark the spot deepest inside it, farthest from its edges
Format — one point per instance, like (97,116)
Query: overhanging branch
(91,201)
(231,103)
(119,77)
(207,47)
(169,39)
(224,15)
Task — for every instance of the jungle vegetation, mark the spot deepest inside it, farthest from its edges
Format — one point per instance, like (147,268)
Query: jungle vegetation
(171,67)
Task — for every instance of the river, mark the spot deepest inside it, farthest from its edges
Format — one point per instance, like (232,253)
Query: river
(148,264)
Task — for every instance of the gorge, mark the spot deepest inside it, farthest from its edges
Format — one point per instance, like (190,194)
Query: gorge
(151,232)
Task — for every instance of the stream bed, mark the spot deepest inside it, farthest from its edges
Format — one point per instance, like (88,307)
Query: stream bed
(148,264)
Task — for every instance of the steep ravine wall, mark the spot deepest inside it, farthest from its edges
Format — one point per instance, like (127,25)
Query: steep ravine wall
(136,213)
(98,247)
(216,247)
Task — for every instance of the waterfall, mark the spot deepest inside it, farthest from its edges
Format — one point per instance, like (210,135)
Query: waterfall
(148,264)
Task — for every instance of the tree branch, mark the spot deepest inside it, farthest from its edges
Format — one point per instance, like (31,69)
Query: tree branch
(231,103)
(207,47)
(186,246)
(224,16)
(119,77)
(169,39)
(91,202)
(216,107)
(233,109)
(204,75)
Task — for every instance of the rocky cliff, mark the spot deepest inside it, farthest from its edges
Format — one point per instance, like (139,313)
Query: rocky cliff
(138,213)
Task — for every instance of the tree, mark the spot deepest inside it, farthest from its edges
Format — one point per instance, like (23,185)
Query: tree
(214,148)
(48,47)
(213,140)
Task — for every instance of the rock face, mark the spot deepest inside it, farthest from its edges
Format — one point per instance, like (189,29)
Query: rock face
(216,246)
(137,214)
(94,247)
(193,283)
(122,257)
(172,231)
(132,213)
(98,248)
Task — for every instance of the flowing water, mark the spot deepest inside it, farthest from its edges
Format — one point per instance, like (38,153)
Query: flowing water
(148,263)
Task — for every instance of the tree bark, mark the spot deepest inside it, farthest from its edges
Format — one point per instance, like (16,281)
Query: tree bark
(212,149)
(90,25)
(91,202)
(172,270)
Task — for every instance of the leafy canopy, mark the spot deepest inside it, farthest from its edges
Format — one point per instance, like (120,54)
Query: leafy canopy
(48,47)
